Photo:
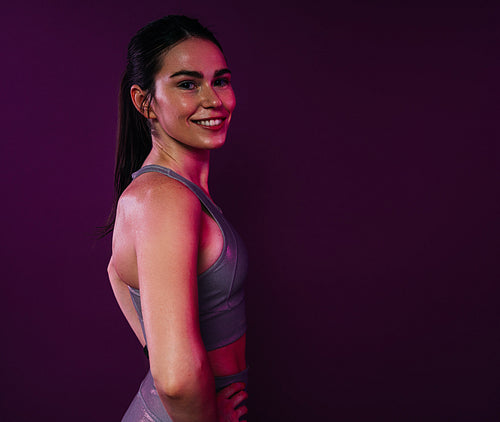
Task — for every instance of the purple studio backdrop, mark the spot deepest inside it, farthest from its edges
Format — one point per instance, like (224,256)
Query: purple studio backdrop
(361,168)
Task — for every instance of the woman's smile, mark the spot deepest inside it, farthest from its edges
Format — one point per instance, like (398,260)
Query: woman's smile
(212,124)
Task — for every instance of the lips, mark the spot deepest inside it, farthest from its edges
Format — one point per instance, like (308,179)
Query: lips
(214,123)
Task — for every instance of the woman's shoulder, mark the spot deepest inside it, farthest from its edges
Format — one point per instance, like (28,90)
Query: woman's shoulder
(154,194)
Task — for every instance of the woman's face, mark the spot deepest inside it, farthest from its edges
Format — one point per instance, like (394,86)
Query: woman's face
(193,99)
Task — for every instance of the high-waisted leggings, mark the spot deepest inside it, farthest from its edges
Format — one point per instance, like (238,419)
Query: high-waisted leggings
(147,406)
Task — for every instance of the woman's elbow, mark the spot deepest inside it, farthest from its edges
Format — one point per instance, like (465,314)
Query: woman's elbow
(178,384)
(172,389)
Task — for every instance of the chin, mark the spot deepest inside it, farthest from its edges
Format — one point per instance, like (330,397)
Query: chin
(214,143)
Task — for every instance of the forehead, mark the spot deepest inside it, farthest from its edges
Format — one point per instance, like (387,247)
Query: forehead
(193,54)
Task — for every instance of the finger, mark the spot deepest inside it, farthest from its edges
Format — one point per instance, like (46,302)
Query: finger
(238,398)
(231,389)
(240,411)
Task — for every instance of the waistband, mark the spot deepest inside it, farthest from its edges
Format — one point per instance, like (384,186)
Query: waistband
(221,382)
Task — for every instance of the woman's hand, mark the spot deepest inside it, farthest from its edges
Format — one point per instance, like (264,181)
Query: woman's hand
(227,399)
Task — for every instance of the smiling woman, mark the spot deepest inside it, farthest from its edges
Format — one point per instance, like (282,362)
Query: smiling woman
(178,267)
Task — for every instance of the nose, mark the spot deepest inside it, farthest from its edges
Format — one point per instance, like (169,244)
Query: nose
(210,98)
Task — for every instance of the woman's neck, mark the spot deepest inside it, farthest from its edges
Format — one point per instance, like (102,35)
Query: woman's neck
(191,163)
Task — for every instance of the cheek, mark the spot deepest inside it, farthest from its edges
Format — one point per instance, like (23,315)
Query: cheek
(176,110)
(184,108)
(230,101)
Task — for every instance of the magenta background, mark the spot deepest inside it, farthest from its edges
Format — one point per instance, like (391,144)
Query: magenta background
(361,168)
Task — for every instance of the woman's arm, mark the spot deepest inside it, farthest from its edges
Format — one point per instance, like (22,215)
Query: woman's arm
(166,240)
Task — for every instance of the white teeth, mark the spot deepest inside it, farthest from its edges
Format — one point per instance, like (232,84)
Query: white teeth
(211,122)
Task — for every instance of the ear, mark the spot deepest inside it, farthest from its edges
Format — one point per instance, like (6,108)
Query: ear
(140,103)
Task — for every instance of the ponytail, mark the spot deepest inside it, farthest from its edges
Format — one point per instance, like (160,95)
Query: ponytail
(133,145)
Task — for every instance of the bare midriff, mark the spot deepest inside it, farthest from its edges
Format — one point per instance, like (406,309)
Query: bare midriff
(230,359)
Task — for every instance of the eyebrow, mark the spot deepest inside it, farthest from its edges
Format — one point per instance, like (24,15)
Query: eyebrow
(222,72)
(198,75)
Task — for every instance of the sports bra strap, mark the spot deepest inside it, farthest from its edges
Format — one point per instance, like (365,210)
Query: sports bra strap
(193,187)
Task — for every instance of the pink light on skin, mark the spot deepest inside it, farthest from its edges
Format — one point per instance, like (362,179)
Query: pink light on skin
(194,99)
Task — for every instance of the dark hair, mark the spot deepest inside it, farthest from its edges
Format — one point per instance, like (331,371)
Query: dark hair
(145,52)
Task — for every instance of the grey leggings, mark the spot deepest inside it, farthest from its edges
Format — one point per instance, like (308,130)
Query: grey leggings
(147,406)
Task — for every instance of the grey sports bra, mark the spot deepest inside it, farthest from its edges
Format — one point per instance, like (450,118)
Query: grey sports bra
(220,287)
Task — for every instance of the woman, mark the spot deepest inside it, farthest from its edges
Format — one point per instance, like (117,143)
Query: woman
(177,266)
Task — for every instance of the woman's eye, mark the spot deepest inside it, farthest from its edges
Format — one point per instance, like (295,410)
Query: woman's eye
(222,82)
(187,85)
